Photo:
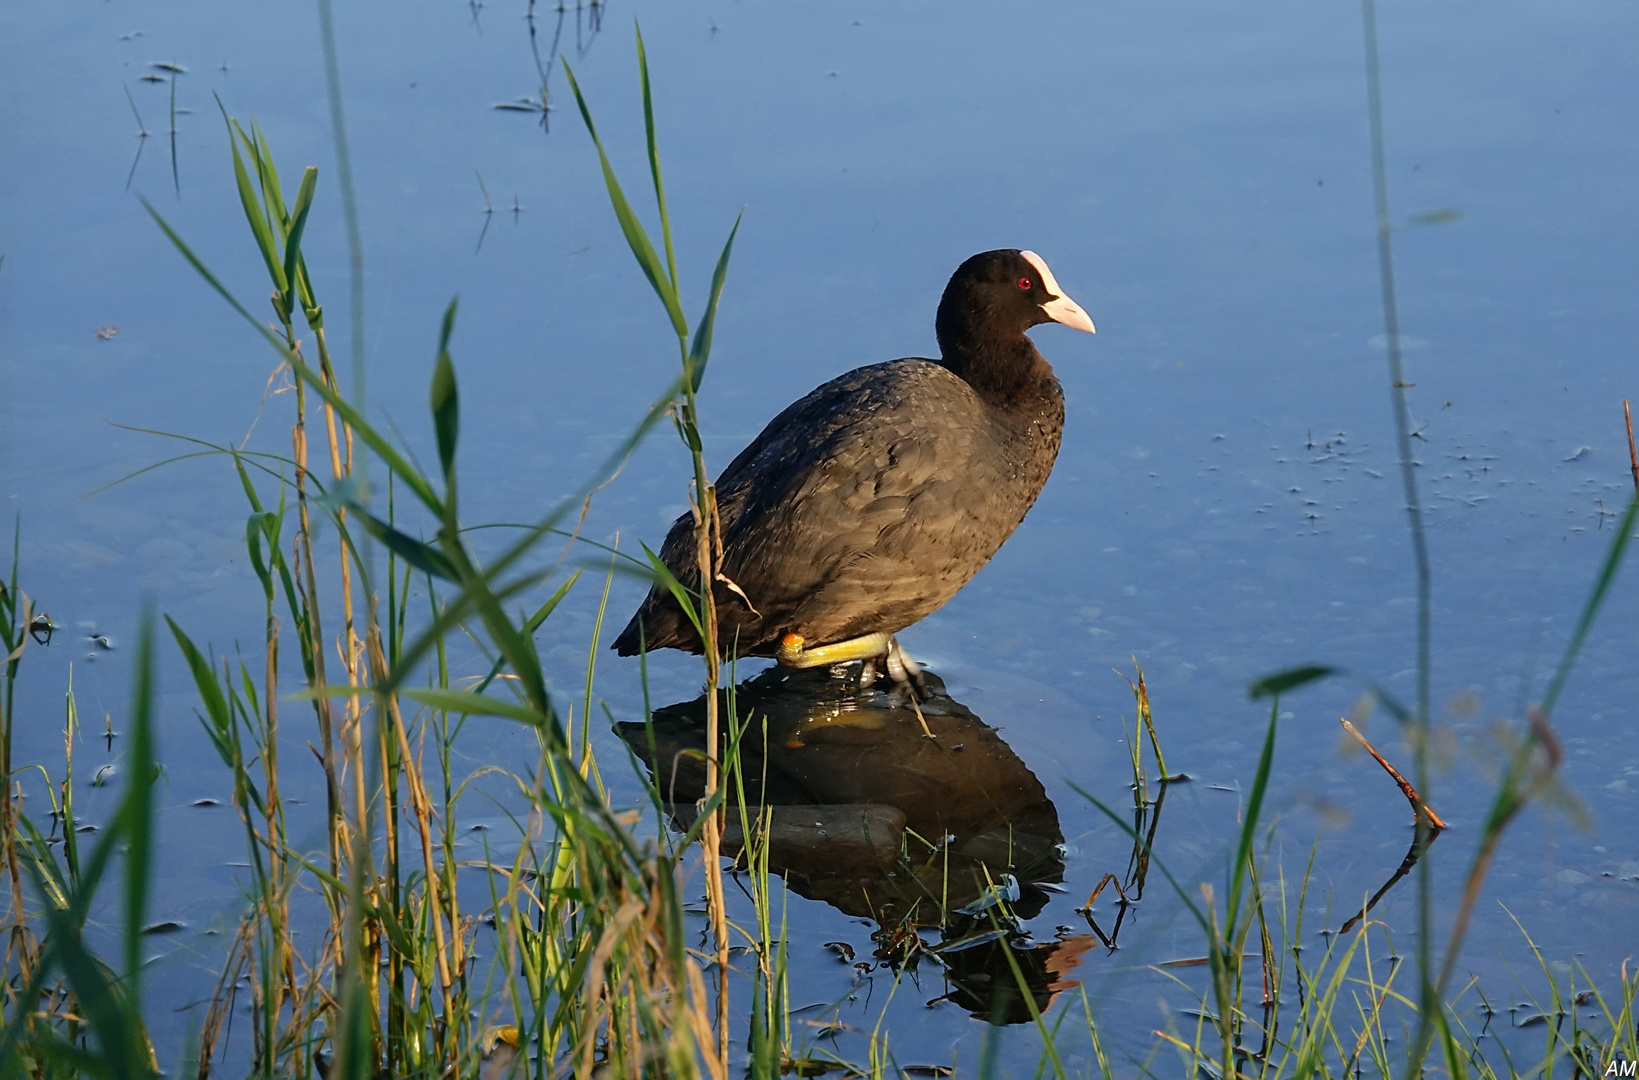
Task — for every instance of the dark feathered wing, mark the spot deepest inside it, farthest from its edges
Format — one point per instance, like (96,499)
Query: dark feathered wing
(863,506)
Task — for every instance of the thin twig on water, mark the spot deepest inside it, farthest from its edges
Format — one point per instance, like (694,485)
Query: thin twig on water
(1418,806)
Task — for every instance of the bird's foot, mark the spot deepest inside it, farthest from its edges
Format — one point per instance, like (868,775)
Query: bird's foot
(905,673)
(908,684)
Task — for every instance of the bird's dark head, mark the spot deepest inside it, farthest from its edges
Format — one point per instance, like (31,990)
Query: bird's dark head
(992,299)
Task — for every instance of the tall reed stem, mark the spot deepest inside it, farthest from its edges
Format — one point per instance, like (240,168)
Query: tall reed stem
(1428,1000)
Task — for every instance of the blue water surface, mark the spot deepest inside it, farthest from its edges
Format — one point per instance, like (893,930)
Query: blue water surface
(1226,503)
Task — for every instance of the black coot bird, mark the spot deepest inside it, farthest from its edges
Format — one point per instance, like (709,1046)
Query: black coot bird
(867,504)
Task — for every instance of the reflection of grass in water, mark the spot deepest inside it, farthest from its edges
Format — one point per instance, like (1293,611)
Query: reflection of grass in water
(588,958)
(489,212)
(142,136)
(588,24)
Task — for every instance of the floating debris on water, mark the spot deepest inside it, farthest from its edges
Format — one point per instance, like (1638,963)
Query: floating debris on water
(1006,891)
(207,802)
(107,333)
(844,951)
(1443,216)
(164,926)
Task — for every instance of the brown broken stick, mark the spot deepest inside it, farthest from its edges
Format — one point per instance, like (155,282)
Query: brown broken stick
(1107,879)
(1416,800)
(1633,456)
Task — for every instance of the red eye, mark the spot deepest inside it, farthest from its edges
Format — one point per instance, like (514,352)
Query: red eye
(1024,283)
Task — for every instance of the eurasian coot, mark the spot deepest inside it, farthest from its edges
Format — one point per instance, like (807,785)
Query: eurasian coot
(867,504)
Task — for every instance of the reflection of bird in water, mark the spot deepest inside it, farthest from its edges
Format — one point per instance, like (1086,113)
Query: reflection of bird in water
(866,505)
(866,813)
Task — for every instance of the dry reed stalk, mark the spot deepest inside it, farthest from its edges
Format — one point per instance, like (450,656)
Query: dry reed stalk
(421,807)
(313,999)
(10,804)
(1107,879)
(221,1006)
(1418,806)
(278,909)
(1141,693)
(593,992)
(1266,944)
(708,555)
(302,556)
(349,648)
(1633,456)
(394,901)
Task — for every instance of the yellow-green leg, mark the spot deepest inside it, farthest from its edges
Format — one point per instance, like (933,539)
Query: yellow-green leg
(905,673)
(865,647)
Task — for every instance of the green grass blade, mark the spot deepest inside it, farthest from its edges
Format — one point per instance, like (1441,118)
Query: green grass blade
(654,162)
(700,351)
(684,598)
(636,237)
(1388,701)
(451,615)
(532,624)
(77,1061)
(268,176)
(210,691)
(446,406)
(364,430)
(138,813)
(1590,610)
(1456,1060)
(47,873)
(1290,679)
(658,410)
(1249,826)
(111,1014)
(518,649)
(463,701)
(298,223)
(259,226)
(424,557)
(255,527)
